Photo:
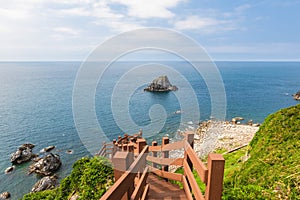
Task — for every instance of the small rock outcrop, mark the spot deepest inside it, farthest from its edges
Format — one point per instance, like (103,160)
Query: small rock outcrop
(9,169)
(46,165)
(23,154)
(161,84)
(235,120)
(47,149)
(297,96)
(48,182)
(5,195)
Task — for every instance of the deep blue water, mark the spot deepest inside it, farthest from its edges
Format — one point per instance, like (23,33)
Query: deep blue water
(36,105)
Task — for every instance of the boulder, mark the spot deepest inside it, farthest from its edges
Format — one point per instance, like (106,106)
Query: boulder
(250,122)
(46,165)
(69,151)
(5,195)
(235,120)
(297,96)
(9,169)
(47,149)
(48,182)
(23,154)
(161,84)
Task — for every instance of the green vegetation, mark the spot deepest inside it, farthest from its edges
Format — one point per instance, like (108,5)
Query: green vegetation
(273,170)
(90,179)
(197,178)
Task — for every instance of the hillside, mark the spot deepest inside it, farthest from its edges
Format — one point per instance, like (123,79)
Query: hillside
(273,169)
(90,178)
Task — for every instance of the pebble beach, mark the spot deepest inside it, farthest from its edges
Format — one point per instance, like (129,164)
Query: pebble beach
(212,135)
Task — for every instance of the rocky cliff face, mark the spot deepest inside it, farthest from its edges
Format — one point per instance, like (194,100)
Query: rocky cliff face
(161,84)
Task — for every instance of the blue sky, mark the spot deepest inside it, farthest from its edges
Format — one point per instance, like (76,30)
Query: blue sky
(228,30)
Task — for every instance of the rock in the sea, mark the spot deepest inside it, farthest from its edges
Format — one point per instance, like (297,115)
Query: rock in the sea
(161,84)
(256,125)
(250,122)
(45,183)
(297,96)
(46,165)
(5,195)
(47,149)
(69,151)
(9,169)
(23,154)
(235,120)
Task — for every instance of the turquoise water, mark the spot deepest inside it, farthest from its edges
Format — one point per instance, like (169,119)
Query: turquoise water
(36,106)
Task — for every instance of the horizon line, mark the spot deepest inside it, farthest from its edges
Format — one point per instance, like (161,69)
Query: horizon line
(2,61)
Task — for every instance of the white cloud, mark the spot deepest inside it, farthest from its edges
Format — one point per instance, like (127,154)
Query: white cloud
(242,8)
(149,9)
(65,31)
(205,25)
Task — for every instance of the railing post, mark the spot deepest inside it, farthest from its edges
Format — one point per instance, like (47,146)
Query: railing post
(115,148)
(189,137)
(215,165)
(130,148)
(121,162)
(190,141)
(165,154)
(141,143)
(154,153)
(125,147)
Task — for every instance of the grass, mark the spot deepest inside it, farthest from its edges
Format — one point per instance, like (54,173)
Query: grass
(197,178)
(90,178)
(272,172)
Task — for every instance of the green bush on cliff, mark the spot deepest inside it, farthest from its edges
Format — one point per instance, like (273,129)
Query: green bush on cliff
(272,171)
(90,178)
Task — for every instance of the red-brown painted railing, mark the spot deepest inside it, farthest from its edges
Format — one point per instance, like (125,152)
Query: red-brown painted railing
(124,187)
(212,175)
(158,158)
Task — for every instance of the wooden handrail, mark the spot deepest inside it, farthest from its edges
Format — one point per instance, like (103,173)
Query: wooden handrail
(138,192)
(104,150)
(198,165)
(165,161)
(208,175)
(191,179)
(174,146)
(186,188)
(167,175)
(121,186)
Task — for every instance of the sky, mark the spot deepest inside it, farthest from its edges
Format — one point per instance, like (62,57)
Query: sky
(257,30)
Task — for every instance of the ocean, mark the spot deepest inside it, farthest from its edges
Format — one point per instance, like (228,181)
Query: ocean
(36,106)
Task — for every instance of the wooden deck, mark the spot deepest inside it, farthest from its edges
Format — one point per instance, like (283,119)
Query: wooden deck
(161,189)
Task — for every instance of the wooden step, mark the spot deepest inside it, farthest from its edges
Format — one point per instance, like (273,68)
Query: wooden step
(161,189)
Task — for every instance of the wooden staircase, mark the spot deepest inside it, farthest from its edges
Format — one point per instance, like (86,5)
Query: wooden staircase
(142,171)
(161,189)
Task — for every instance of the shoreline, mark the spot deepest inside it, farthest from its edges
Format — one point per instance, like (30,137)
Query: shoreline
(213,135)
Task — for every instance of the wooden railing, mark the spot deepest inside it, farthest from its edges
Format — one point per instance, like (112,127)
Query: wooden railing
(107,150)
(211,175)
(131,182)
